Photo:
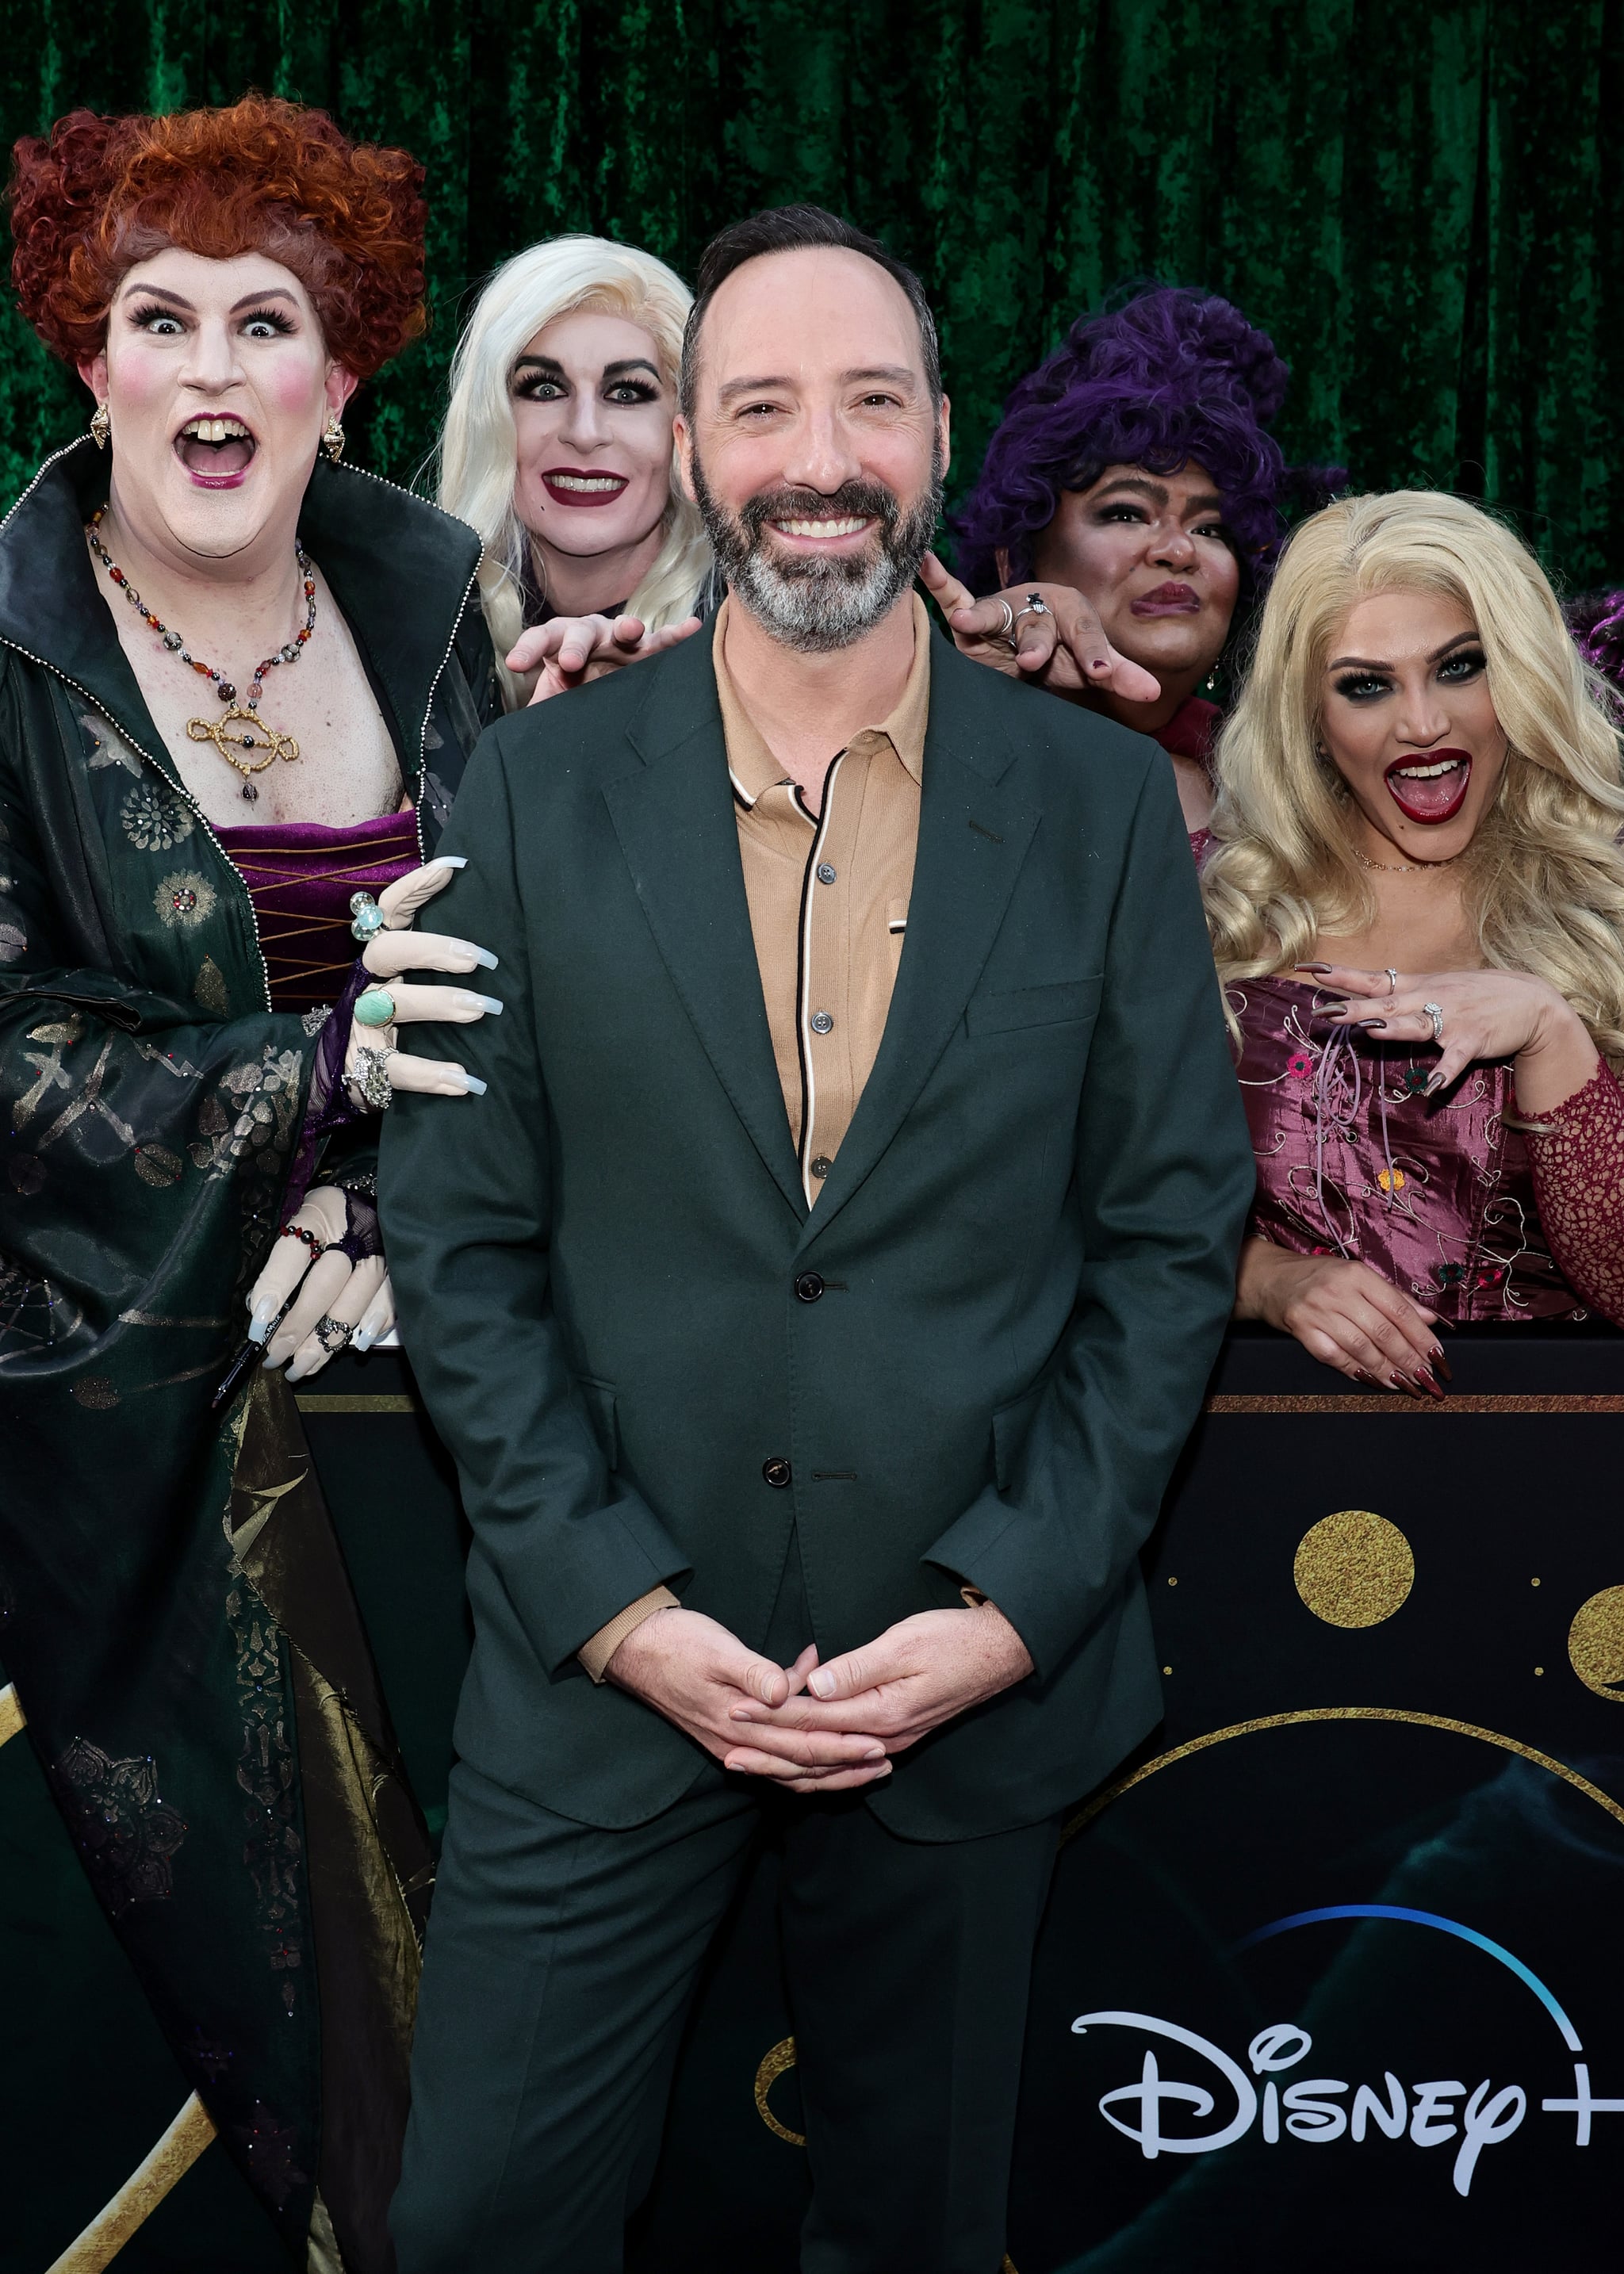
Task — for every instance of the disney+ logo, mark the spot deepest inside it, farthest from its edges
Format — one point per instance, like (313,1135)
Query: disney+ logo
(1316,2109)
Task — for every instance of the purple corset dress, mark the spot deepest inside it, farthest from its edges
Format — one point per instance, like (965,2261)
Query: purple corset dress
(300,875)
(1437,1194)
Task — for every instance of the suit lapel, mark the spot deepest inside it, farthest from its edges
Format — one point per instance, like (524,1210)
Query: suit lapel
(674,817)
(973,838)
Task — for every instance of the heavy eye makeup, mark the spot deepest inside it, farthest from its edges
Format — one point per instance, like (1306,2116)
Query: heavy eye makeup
(1459,668)
(1123,509)
(258,323)
(626,393)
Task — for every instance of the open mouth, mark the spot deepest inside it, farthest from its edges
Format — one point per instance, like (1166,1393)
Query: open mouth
(825,529)
(217,452)
(565,486)
(1431,789)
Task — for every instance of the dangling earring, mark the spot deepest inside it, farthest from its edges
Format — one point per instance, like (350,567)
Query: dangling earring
(333,439)
(101,425)
(1209,685)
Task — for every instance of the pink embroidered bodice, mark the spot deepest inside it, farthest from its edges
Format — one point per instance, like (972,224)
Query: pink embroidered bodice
(1475,1219)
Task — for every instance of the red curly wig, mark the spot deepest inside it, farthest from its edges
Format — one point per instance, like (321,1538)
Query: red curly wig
(97,195)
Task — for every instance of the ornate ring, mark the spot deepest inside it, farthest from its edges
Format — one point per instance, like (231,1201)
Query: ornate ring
(366,916)
(332,1333)
(1035,606)
(371,1078)
(1435,1012)
(318,1247)
(1008,625)
(374,1006)
(1393,981)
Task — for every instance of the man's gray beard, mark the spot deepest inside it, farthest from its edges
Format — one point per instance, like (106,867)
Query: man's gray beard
(817,606)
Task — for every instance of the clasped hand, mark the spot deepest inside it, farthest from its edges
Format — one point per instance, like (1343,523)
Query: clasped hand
(811,1727)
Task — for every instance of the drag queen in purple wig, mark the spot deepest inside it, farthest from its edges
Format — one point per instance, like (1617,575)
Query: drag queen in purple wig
(1134,467)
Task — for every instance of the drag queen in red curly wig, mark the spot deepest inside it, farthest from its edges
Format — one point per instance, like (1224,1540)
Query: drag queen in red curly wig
(96,196)
(237,685)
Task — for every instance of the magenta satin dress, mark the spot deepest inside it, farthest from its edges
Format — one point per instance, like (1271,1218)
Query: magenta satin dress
(1437,1194)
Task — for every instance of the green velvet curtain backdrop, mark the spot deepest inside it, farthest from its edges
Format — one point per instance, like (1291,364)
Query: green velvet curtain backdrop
(1423,204)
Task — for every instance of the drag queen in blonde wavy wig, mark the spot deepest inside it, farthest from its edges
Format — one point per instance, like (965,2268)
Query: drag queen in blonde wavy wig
(1421,788)
(479,447)
(1543,874)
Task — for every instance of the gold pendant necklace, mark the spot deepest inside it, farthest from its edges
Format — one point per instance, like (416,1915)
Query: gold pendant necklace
(255,734)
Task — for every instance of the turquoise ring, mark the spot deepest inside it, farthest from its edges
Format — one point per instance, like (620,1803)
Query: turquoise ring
(366,917)
(374,1006)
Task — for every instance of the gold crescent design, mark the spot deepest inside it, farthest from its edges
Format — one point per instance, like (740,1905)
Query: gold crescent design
(1095,1807)
(774,2063)
(140,2195)
(11,1715)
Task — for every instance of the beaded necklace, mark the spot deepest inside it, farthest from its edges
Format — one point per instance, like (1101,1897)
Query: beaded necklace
(255,734)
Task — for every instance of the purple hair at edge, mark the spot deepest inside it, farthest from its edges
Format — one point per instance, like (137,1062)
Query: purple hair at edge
(1167,375)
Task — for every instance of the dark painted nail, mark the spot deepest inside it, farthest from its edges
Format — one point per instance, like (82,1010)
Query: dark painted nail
(1441,1363)
(1369,1026)
(1311,967)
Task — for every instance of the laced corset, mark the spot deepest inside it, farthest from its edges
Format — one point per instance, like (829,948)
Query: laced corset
(1437,1194)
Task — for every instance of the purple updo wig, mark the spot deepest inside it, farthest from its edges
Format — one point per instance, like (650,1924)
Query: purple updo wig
(1596,619)
(1163,376)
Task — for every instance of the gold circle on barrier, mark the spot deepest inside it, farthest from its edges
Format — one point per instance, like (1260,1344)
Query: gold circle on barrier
(1354,1568)
(1596,1644)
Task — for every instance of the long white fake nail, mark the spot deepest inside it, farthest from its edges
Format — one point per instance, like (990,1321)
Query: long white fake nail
(264,1311)
(473,1086)
(481,955)
(448,861)
(485,1002)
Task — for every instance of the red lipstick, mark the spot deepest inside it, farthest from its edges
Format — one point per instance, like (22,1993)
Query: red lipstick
(583,485)
(1431,787)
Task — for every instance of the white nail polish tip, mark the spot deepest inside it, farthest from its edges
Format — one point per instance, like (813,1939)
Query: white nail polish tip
(448,861)
(258,1328)
(360,1340)
(472,1085)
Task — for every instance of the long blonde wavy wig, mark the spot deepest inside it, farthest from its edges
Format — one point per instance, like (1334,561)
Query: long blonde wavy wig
(1544,877)
(479,447)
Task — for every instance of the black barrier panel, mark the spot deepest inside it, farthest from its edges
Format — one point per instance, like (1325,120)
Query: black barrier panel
(1354,1905)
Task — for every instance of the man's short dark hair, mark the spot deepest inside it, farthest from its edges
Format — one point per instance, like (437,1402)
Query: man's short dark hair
(792,229)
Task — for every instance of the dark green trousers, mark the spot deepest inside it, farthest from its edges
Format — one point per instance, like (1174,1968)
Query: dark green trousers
(561,1964)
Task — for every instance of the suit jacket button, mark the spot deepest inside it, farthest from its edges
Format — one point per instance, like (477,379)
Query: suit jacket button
(776,1471)
(809,1286)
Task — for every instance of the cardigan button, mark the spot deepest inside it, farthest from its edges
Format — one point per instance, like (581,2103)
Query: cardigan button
(775,1472)
(809,1286)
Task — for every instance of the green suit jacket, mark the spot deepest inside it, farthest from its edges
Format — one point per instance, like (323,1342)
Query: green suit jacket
(1025,1246)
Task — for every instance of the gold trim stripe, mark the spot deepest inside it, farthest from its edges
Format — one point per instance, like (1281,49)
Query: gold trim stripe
(332,1401)
(11,1714)
(1086,1814)
(1357,1401)
(140,2195)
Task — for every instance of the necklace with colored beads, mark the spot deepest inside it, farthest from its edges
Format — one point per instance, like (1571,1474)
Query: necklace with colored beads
(253,734)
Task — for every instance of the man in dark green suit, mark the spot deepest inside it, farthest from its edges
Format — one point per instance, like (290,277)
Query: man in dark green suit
(815,1306)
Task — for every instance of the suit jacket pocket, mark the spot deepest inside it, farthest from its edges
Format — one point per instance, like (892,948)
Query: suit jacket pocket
(600,1401)
(1069,1001)
(1011,1428)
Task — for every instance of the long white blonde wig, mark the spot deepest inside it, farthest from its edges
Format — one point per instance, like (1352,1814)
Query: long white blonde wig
(1544,877)
(479,447)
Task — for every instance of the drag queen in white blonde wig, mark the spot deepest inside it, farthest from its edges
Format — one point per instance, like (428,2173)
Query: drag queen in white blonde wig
(1417,904)
(532,436)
